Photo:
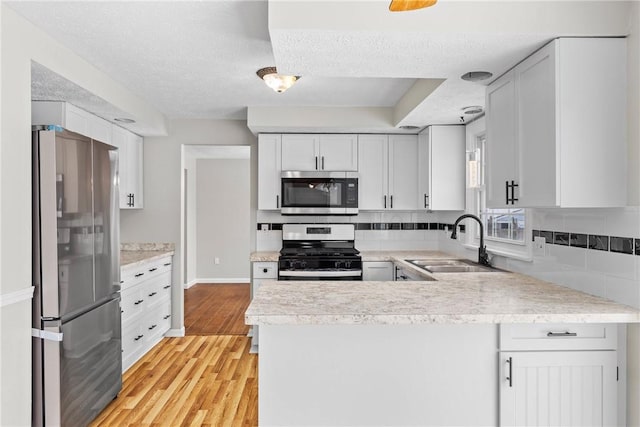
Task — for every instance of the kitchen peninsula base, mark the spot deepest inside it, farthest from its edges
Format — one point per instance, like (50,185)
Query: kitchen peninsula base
(366,375)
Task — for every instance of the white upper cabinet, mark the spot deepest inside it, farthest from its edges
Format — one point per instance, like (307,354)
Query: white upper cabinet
(314,152)
(403,172)
(556,127)
(269,168)
(388,170)
(441,171)
(130,156)
(373,164)
(71,118)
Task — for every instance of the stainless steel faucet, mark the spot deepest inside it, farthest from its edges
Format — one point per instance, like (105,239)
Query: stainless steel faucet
(483,256)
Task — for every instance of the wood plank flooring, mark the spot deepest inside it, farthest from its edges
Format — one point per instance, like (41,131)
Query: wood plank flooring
(207,378)
(189,381)
(216,309)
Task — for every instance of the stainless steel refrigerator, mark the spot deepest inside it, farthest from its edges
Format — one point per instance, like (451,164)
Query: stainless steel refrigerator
(77,362)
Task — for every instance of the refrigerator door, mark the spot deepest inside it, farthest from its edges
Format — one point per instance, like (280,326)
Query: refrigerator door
(106,235)
(82,374)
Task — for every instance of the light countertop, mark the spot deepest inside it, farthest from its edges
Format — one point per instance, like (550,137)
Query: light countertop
(491,297)
(133,254)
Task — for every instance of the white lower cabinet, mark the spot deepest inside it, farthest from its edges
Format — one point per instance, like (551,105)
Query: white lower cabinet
(377,271)
(260,272)
(145,307)
(569,376)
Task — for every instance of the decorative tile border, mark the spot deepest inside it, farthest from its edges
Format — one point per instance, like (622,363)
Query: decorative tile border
(622,245)
(377,226)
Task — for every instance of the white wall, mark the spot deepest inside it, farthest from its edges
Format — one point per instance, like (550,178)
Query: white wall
(191,194)
(21,43)
(223,219)
(159,221)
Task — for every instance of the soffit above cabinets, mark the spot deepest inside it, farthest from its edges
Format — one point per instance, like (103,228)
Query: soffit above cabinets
(198,59)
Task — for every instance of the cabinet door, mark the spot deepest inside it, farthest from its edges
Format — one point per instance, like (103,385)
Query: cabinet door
(558,388)
(424,169)
(403,172)
(373,172)
(135,170)
(269,168)
(300,152)
(377,271)
(447,168)
(119,139)
(501,148)
(536,109)
(77,120)
(339,152)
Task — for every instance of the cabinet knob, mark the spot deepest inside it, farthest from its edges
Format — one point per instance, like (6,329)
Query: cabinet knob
(265,270)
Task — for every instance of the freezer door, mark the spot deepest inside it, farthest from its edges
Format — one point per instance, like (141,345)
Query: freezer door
(106,229)
(82,374)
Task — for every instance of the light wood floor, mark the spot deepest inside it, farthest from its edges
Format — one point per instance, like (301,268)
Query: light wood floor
(197,380)
(216,309)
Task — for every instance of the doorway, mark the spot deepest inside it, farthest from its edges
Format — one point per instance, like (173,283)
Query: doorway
(215,237)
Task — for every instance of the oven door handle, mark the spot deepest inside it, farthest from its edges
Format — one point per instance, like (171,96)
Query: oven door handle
(312,273)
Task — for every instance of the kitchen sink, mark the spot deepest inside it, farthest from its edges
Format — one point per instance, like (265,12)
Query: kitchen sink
(450,266)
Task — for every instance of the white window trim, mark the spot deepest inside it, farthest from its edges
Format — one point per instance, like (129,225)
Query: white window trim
(522,250)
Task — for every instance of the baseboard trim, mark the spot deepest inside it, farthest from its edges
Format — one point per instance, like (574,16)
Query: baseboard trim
(16,296)
(212,281)
(175,333)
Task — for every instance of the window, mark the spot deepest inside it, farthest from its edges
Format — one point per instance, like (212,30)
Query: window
(500,225)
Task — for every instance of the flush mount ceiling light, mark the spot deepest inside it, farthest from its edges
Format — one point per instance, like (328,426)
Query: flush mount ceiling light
(473,109)
(406,5)
(409,127)
(124,120)
(277,82)
(476,76)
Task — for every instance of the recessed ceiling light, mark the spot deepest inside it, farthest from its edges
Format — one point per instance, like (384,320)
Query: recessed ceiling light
(473,109)
(476,76)
(124,120)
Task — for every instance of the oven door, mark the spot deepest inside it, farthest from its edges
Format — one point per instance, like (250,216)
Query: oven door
(305,275)
(319,193)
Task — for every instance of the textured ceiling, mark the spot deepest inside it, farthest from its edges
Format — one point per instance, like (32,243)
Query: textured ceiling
(197,59)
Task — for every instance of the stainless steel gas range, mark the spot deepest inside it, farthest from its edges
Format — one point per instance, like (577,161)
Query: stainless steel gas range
(319,252)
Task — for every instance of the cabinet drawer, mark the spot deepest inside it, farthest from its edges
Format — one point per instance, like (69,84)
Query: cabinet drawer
(134,302)
(558,336)
(265,270)
(132,339)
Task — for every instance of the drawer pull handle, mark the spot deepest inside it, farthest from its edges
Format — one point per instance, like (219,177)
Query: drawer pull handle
(138,337)
(153,269)
(562,334)
(139,274)
(510,377)
(121,282)
(152,327)
(167,264)
(152,294)
(166,317)
(166,287)
(140,301)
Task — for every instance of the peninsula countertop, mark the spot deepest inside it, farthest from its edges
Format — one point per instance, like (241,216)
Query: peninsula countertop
(133,254)
(496,297)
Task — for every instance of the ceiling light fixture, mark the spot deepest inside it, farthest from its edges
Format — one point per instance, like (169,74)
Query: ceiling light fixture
(277,82)
(124,120)
(406,5)
(473,109)
(476,76)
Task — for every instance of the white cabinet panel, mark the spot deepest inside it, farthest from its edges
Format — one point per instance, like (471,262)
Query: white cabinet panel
(441,171)
(260,272)
(373,167)
(573,388)
(130,154)
(269,168)
(403,172)
(338,152)
(377,271)
(300,152)
(501,147)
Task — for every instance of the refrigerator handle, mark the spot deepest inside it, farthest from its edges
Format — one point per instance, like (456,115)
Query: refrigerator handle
(114,230)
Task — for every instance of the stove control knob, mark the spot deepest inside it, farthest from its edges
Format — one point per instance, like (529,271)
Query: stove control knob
(303,264)
(348,264)
(337,264)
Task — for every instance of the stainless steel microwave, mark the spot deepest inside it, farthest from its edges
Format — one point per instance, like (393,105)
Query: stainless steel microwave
(319,193)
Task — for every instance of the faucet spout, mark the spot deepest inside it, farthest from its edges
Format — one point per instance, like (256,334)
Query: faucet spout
(483,256)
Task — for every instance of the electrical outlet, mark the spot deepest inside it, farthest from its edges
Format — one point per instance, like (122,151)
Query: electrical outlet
(264,227)
(539,245)
(216,260)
